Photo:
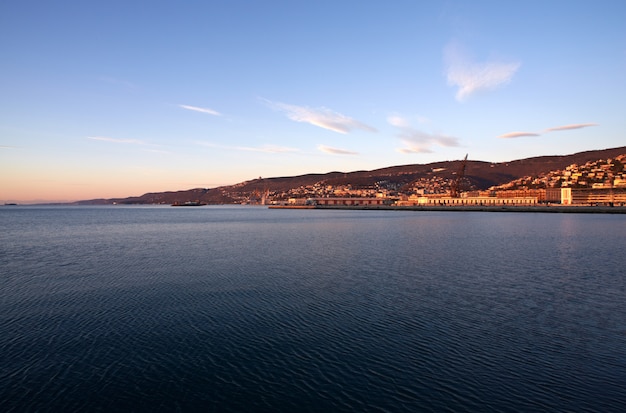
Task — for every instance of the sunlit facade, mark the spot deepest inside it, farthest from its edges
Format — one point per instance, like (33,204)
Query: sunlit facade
(346,201)
(420,200)
(593,196)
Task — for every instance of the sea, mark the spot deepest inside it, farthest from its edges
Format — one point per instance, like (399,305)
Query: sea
(250,309)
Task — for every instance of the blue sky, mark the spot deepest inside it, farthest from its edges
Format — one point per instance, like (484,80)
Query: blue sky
(119,98)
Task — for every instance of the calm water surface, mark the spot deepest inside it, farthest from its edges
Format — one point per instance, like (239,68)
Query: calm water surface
(250,309)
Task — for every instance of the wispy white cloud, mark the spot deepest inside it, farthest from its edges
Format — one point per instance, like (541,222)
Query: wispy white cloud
(201,110)
(398,121)
(7,147)
(421,142)
(403,122)
(264,148)
(322,117)
(417,141)
(116,140)
(414,149)
(554,129)
(473,77)
(572,126)
(517,134)
(335,151)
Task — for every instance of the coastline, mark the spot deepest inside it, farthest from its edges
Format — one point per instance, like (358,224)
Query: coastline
(570,209)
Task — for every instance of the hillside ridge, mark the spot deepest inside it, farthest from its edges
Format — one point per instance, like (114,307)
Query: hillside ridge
(480,175)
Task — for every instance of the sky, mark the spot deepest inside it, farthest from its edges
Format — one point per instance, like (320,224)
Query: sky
(119,98)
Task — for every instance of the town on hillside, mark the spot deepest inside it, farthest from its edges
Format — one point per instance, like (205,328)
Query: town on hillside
(601,182)
(584,178)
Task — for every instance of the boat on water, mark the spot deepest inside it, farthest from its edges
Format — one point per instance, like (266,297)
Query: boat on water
(189,203)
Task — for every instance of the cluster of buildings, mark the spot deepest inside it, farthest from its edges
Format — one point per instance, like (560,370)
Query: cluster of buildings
(594,183)
(609,173)
(599,174)
(529,197)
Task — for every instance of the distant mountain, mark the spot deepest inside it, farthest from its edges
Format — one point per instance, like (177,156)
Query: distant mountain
(480,174)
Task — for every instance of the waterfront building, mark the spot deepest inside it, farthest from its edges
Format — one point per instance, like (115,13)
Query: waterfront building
(414,200)
(593,196)
(553,195)
(540,194)
(346,201)
(297,201)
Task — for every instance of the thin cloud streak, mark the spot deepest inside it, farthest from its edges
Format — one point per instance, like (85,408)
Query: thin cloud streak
(421,142)
(518,135)
(414,149)
(398,121)
(417,141)
(554,129)
(570,127)
(335,151)
(473,77)
(402,122)
(116,140)
(201,110)
(322,117)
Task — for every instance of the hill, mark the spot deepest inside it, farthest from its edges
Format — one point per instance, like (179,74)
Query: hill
(479,175)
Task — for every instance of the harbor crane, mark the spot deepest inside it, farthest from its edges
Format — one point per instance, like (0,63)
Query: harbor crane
(455,185)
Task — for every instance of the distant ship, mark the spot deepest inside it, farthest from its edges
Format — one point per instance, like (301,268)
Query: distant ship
(189,203)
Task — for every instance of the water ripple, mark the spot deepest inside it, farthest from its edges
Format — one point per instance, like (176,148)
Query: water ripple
(161,310)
